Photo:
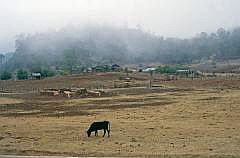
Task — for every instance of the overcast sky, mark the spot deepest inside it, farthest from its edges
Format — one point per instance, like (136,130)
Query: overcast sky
(170,18)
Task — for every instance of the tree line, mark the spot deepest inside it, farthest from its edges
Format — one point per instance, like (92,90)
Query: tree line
(72,49)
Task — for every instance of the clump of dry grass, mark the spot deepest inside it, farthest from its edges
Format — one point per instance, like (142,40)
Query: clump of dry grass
(4,101)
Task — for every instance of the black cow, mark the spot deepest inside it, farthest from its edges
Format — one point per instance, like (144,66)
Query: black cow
(95,126)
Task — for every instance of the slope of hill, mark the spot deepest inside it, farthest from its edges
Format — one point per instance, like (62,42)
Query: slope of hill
(93,45)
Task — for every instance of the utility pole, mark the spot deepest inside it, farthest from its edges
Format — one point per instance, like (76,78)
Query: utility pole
(151,79)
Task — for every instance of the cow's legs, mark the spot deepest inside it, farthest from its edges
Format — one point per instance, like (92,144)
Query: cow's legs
(104,132)
(96,133)
(108,130)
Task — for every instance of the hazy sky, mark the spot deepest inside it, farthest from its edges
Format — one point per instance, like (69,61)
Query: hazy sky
(174,18)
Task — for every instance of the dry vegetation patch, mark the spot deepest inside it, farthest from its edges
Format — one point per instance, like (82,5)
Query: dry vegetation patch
(4,101)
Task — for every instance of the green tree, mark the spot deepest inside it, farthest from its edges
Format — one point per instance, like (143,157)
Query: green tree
(5,75)
(47,73)
(22,74)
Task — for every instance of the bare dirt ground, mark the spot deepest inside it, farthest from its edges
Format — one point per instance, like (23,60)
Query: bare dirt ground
(182,118)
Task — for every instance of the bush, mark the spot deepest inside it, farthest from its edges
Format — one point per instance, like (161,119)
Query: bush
(22,74)
(63,72)
(5,75)
(165,69)
(169,69)
(47,73)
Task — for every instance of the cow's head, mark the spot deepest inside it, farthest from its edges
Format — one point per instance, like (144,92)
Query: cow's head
(88,133)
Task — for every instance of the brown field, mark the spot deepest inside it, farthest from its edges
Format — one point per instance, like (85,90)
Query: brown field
(182,118)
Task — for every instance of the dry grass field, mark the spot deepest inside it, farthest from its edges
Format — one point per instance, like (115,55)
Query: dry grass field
(183,118)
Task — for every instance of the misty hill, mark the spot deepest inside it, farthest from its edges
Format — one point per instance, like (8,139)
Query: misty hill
(4,57)
(94,45)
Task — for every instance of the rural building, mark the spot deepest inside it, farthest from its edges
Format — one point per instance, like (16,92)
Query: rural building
(149,69)
(101,68)
(35,76)
(183,71)
(189,73)
(115,67)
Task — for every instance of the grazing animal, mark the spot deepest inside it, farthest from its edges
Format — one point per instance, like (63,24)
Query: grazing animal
(94,94)
(68,94)
(95,126)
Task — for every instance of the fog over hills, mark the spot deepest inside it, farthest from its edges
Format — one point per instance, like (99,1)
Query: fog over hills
(168,18)
(91,45)
(93,32)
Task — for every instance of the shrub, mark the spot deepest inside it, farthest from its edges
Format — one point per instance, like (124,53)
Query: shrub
(169,69)
(5,75)
(22,74)
(47,73)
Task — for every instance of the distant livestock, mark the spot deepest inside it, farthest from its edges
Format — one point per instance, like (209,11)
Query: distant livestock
(68,94)
(73,92)
(94,93)
(95,126)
